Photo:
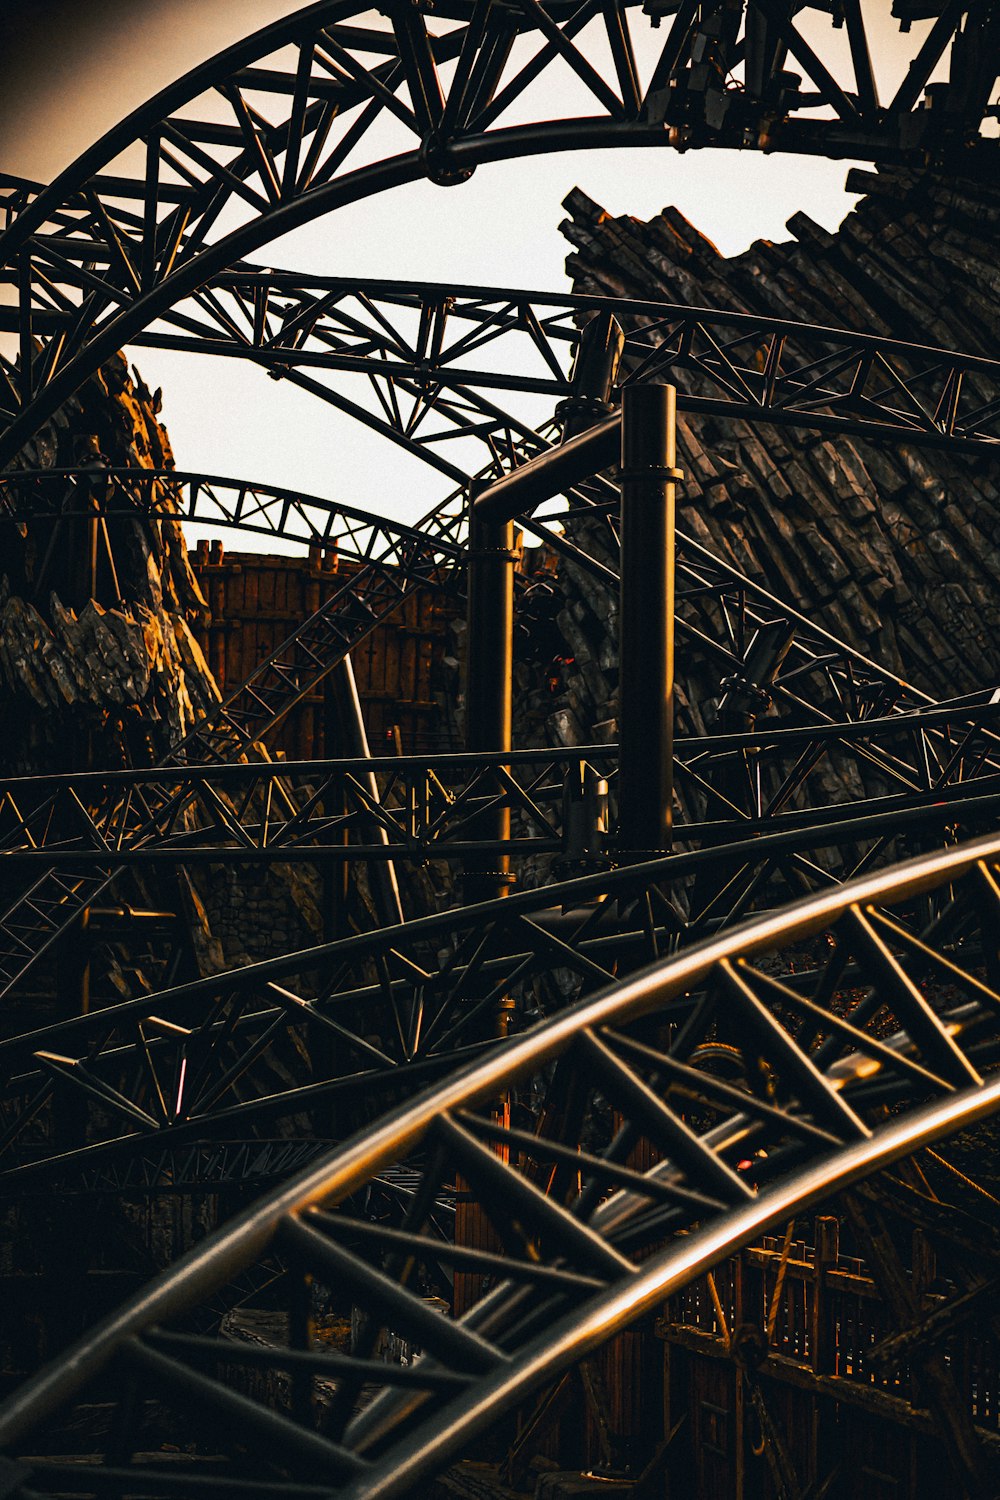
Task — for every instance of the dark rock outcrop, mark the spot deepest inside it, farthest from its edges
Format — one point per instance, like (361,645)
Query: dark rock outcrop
(98,663)
(894,548)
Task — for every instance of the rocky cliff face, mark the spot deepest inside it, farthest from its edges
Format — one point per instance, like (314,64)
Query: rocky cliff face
(97,660)
(894,548)
(99,666)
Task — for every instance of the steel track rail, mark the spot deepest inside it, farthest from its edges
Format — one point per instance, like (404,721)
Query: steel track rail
(944,759)
(310,96)
(585,1245)
(363,1017)
(437,357)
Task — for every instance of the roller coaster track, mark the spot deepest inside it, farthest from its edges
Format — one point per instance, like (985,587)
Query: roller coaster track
(175,194)
(765,647)
(423,363)
(401,335)
(926,763)
(359,1019)
(358,537)
(878,1044)
(856,686)
(116,251)
(393,561)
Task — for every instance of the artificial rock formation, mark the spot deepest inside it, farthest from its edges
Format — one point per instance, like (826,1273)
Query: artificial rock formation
(98,662)
(894,548)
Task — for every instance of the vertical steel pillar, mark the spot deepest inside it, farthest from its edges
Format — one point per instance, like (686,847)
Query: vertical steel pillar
(646,619)
(489,664)
(489,661)
(336,873)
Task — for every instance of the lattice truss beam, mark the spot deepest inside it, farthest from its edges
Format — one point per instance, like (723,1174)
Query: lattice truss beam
(351,1020)
(859,1026)
(933,766)
(447,371)
(333,104)
(763,649)
(392,562)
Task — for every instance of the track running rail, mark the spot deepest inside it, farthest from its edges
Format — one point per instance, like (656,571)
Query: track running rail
(584,1244)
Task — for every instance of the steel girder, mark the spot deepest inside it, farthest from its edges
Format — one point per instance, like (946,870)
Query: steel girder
(359,1019)
(425,364)
(933,764)
(242,505)
(643,1170)
(767,651)
(395,561)
(203,1166)
(295,121)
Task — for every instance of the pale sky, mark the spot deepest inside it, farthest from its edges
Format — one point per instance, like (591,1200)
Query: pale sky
(73,69)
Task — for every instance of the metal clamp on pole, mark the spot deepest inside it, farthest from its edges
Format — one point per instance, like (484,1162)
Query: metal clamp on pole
(595,375)
(646,644)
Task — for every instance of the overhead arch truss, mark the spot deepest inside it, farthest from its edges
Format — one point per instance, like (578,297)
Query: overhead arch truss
(333,104)
(642,1170)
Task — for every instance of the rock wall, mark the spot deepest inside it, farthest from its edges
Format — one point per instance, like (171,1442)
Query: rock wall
(894,548)
(99,665)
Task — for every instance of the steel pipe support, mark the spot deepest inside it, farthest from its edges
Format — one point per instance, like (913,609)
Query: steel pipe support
(354,741)
(551,473)
(646,618)
(489,691)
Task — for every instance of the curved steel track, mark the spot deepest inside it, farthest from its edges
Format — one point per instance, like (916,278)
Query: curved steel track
(357,1020)
(866,1022)
(878,1044)
(136,222)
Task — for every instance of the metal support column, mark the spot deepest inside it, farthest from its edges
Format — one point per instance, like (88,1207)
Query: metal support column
(488,692)
(646,619)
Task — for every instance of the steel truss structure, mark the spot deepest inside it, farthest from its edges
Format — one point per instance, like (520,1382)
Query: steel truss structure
(357,537)
(201,1167)
(765,652)
(858,1024)
(296,120)
(644,1169)
(353,1021)
(424,364)
(392,562)
(939,763)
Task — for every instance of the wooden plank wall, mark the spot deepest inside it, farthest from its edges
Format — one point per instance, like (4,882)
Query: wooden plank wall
(683,1403)
(257,600)
(837,1409)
